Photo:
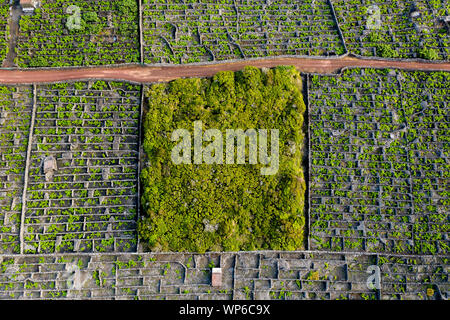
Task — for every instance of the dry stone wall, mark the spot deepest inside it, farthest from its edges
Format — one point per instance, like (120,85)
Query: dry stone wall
(263,275)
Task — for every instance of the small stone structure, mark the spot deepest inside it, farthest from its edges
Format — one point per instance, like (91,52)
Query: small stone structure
(414,14)
(28,6)
(216,278)
(49,166)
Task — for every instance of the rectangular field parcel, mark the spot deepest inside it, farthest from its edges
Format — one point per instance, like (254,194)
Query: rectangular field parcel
(269,275)
(107,34)
(230,207)
(176,31)
(4,18)
(380,171)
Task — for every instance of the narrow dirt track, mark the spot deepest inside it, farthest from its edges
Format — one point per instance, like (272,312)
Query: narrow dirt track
(147,74)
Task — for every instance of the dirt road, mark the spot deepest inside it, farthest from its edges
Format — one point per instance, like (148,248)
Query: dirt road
(147,74)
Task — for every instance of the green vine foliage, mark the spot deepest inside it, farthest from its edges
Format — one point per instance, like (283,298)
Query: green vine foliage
(248,211)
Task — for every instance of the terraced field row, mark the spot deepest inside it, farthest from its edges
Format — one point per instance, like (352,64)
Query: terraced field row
(89,32)
(274,275)
(91,130)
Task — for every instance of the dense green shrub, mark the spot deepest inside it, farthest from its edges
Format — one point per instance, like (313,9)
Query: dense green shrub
(248,210)
(385,51)
(428,53)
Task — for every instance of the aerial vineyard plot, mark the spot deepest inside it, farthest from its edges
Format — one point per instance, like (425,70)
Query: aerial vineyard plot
(15,115)
(79,33)
(395,29)
(380,161)
(4,15)
(199,31)
(82,190)
(225,205)
(426,98)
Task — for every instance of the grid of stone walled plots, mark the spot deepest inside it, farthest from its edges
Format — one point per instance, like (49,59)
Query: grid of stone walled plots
(4,15)
(82,192)
(15,115)
(264,275)
(395,29)
(379,161)
(198,31)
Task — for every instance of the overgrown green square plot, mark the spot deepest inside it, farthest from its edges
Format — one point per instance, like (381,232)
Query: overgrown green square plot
(219,206)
